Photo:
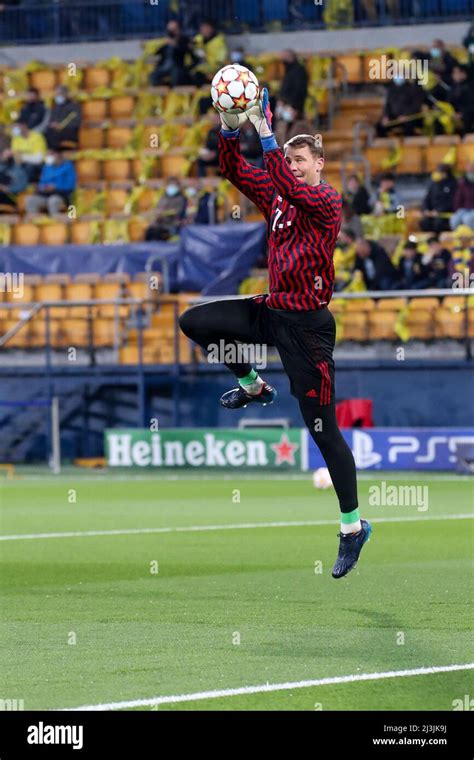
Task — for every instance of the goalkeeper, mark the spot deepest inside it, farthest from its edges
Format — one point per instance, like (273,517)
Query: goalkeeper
(303,216)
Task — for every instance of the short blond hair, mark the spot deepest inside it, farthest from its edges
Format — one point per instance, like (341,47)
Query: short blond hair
(313,142)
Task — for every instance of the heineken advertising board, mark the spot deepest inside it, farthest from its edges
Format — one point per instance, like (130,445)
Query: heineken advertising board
(267,448)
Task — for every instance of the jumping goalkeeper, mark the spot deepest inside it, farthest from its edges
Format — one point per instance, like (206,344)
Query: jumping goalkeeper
(303,216)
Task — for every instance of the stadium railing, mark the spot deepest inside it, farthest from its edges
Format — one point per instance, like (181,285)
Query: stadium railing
(62,21)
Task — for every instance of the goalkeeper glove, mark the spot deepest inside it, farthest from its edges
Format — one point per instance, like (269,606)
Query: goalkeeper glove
(261,116)
(231,121)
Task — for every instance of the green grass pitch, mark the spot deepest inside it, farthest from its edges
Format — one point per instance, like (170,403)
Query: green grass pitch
(104,619)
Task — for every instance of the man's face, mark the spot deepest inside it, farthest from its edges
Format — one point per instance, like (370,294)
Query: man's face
(31,96)
(362,248)
(172,27)
(206,30)
(305,167)
(459,75)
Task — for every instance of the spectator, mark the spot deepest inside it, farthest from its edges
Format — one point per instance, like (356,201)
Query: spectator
(56,184)
(294,85)
(290,123)
(439,200)
(437,262)
(30,147)
(412,273)
(344,258)
(211,49)
(34,112)
(463,250)
(250,145)
(461,97)
(13,180)
(208,156)
(237,55)
(350,220)
(391,6)
(357,196)
(402,110)
(4,138)
(463,205)
(386,199)
(64,121)
(373,262)
(171,211)
(171,67)
(441,61)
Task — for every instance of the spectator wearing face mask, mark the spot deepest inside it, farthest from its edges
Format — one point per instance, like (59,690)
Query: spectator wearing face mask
(288,123)
(29,148)
(64,121)
(13,180)
(463,205)
(437,260)
(441,61)
(174,59)
(294,85)
(34,112)
(412,273)
(210,49)
(403,104)
(386,199)
(171,211)
(56,184)
(439,200)
(237,55)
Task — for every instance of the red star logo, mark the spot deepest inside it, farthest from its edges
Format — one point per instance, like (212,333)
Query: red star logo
(244,77)
(285,451)
(240,102)
(221,87)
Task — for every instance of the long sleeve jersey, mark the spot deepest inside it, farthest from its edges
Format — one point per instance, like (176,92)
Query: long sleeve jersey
(303,223)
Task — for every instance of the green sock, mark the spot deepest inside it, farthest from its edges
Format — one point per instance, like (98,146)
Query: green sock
(248,379)
(350,517)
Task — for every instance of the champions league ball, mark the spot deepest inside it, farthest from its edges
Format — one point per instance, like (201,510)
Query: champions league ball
(322,478)
(234,89)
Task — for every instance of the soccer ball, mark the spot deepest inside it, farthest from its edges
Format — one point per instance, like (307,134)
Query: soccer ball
(234,89)
(322,478)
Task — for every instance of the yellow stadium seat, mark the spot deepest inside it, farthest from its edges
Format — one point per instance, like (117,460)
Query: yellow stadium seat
(116,170)
(43,80)
(115,200)
(454,303)
(146,201)
(82,232)
(54,234)
(88,170)
(355,326)
(360,305)
(121,107)
(119,137)
(109,291)
(352,67)
(75,332)
(94,110)
(413,155)
(449,324)
(78,291)
(419,323)
(103,331)
(426,304)
(91,138)
(25,233)
(438,149)
(377,152)
(21,339)
(51,291)
(381,325)
(136,229)
(338,306)
(174,165)
(390,304)
(95,77)
(465,151)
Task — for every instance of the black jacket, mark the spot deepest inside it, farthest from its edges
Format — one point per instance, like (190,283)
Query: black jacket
(411,271)
(383,274)
(403,100)
(440,195)
(294,86)
(33,114)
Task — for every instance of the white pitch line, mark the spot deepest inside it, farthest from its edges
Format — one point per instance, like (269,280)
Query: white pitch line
(216,694)
(230,526)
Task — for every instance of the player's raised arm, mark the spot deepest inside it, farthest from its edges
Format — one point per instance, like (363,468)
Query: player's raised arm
(253,182)
(296,177)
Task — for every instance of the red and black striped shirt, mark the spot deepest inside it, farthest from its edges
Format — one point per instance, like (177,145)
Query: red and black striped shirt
(303,223)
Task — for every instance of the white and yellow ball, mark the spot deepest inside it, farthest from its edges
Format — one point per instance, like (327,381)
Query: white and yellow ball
(322,478)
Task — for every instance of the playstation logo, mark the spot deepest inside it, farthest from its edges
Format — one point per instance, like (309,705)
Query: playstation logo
(363,450)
